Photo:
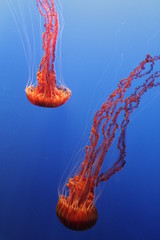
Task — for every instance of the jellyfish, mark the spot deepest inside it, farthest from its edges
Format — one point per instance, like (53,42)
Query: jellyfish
(76,205)
(46,93)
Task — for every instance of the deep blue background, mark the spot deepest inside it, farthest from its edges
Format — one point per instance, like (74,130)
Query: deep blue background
(102,42)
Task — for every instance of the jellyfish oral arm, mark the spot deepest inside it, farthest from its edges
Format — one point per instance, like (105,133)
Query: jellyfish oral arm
(49,39)
(106,120)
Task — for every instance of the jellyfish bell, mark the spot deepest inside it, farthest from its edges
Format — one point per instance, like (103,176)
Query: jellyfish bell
(48,98)
(47,95)
(76,218)
(77,210)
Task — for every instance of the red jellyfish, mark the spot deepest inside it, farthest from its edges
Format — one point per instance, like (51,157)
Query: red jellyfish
(76,205)
(46,93)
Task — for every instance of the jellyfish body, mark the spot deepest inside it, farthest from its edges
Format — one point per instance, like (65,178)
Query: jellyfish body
(76,218)
(77,211)
(76,205)
(45,96)
(46,93)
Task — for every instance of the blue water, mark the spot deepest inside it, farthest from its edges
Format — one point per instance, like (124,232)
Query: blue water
(102,42)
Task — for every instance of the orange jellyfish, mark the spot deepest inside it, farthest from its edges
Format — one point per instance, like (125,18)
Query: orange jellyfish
(76,205)
(46,93)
